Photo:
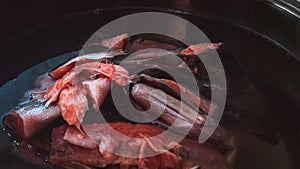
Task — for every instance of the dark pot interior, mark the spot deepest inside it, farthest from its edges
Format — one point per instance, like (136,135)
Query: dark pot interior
(269,110)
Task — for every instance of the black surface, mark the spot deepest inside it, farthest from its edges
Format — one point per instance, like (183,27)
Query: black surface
(263,39)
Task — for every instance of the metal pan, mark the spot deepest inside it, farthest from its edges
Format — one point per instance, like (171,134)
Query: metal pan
(264,88)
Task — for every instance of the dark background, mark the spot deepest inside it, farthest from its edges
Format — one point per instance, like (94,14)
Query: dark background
(17,16)
(23,44)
